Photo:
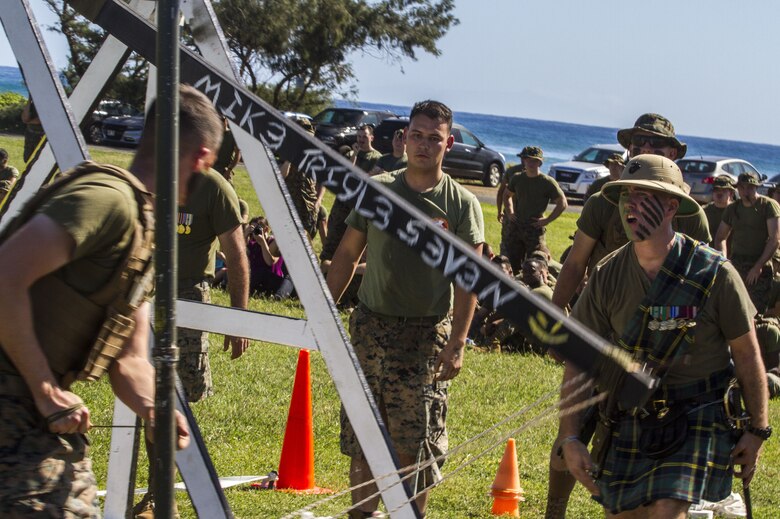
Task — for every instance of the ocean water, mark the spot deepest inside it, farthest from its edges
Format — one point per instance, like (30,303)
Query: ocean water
(561,141)
(11,81)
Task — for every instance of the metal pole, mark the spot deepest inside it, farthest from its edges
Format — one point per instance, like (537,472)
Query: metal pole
(167,164)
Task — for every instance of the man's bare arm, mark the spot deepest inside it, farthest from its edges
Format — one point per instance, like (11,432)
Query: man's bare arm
(345,261)
(233,245)
(560,206)
(509,204)
(772,241)
(450,359)
(23,256)
(573,270)
(500,200)
(752,380)
(724,230)
(132,376)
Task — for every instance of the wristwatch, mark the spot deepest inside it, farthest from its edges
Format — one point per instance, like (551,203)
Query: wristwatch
(764,432)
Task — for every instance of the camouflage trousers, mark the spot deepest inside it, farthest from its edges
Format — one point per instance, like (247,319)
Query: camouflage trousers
(758,291)
(518,239)
(193,367)
(42,475)
(397,356)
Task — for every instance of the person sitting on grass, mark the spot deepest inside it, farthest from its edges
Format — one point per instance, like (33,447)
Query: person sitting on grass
(268,275)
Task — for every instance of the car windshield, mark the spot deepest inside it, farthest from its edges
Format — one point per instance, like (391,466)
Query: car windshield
(338,117)
(696,166)
(117,109)
(594,155)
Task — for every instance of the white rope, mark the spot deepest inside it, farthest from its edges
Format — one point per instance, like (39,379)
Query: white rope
(418,467)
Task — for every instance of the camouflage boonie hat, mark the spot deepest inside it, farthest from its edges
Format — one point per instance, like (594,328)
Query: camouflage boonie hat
(615,158)
(749,178)
(723,182)
(656,125)
(532,152)
(305,124)
(656,173)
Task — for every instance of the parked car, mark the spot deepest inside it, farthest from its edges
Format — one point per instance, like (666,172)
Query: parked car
(468,158)
(337,127)
(700,172)
(124,129)
(576,176)
(298,116)
(93,131)
(771,182)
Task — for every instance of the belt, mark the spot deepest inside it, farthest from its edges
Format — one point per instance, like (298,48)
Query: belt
(426,320)
(711,397)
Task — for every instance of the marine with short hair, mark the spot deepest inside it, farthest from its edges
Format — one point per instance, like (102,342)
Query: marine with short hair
(409,329)
(78,252)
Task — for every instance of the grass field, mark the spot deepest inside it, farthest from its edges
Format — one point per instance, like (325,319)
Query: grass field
(244,422)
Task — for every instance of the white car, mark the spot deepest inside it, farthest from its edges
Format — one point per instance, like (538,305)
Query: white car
(576,175)
(699,172)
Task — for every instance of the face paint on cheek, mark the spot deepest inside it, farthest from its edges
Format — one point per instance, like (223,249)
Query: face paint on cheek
(630,234)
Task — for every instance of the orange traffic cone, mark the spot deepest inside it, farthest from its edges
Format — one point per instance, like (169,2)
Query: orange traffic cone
(296,467)
(506,489)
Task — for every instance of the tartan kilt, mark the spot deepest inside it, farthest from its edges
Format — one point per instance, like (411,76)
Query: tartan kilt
(700,469)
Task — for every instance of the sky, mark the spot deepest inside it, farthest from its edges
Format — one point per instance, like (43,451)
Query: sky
(710,66)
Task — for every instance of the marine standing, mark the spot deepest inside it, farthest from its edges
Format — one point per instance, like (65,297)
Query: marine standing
(402,333)
(526,199)
(646,298)
(723,193)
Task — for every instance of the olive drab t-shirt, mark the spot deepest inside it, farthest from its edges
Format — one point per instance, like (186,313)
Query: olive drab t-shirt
(600,220)
(511,172)
(212,209)
(714,217)
(396,281)
(749,227)
(390,162)
(618,285)
(533,195)
(98,211)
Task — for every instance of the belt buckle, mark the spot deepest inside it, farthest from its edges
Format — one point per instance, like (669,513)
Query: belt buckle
(661,408)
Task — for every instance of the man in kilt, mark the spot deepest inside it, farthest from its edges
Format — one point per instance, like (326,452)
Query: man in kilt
(681,310)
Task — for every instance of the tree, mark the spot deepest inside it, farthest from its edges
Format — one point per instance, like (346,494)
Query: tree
(294,52)
(84,39)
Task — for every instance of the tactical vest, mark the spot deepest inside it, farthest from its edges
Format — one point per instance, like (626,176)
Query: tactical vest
(81,334)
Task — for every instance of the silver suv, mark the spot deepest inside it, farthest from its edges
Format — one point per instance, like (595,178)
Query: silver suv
(576,175)
(700,172)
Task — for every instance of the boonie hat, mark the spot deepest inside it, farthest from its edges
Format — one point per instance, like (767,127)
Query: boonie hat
(723,182)
(749,178)
(615,158)
(656,125)
(532,152)
(656,173)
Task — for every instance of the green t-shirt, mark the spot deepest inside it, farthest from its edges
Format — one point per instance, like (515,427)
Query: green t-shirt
(600,220)
(366,160)
(545,291)
(98,211)
(396,281)
(212,209)
(511,172)
(389,162)
(532,195)
(749,227)
(596,186)
(618,285)
(714,217)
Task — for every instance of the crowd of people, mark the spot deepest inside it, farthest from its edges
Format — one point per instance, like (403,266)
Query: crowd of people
(692,294)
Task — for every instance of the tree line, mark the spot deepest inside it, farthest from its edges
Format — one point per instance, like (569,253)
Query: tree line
(292,53)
